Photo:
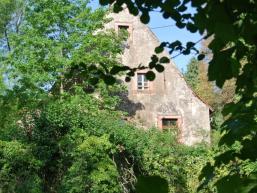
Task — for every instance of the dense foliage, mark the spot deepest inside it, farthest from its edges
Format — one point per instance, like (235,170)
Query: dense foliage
(197,79)
(192,73)
(56,137)
(56,134)
(72,145)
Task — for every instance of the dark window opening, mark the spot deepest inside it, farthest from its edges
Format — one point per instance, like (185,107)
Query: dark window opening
(124,31)
(142,82)
(123,28)
(169,123)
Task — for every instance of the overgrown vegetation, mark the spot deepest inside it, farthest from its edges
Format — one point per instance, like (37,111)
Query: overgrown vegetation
(59,127)
(197,79)
(72,146)
(56,137)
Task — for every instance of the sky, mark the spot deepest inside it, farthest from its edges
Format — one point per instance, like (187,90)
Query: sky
(173,33)
(169,34)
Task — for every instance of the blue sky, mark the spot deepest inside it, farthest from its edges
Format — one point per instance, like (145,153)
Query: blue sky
(169,34)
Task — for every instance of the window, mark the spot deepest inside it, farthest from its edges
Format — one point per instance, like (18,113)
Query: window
(169,122)
(123,28)
(172,124)
(142,82)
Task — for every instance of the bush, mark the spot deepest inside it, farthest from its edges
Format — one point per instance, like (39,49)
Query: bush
(82,147)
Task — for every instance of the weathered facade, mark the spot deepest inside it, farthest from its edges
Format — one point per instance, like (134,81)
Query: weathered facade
(168,99)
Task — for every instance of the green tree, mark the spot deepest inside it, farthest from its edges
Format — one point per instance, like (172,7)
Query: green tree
(63,44)
(11,13)
(60,47)
(11,16)
(196,77)
(205,88)
(192,73)
(2,84)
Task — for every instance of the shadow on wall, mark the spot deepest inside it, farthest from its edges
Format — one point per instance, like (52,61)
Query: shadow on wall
(128,105)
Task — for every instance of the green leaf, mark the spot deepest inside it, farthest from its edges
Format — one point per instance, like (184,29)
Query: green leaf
(220,68)
(159,68)
(151,184)
(124,68)
(117,8)
(236,184)
(191,27)
(109,80)
(186,52)
(93,81)
(225,31)
(207,171)
(200,57)
(230,108)
(198,3)
(180,25)
(224,158)
(133,10)
(145,18)
(104,2)
(115,70)
(175,15)
(190,44)
(150,75)
(206,175)
(186,16)
(152,65)
(159,49)
(154,58)
(249,149)
(182,8)
(166,15)
(174,44)
(127,79)
(131,73)
(92,68)
(164,60)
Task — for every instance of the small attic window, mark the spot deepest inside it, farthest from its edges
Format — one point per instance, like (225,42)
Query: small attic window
(123,28)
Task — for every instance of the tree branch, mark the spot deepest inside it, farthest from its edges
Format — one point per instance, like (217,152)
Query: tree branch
(7,38)
(18,22)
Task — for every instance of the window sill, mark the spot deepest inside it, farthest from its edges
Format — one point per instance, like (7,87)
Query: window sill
(142,92)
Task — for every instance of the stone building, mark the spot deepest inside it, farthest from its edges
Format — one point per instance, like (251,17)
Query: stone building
(166,101)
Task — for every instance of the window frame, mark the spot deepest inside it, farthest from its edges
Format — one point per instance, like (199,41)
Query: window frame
(179,124)
(170,125)
(125,27)
(130,28)
(160,117)
(144,83)
(134,85)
